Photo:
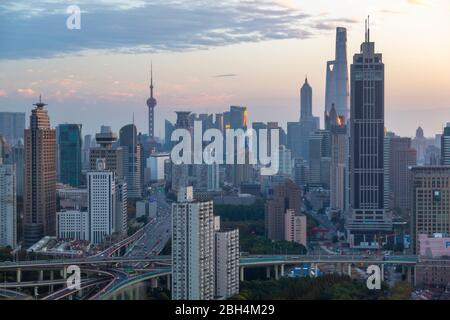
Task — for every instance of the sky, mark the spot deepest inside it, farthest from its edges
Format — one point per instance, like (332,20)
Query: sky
(208,55)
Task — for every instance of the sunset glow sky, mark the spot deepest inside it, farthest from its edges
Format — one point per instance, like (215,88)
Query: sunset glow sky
(208,55)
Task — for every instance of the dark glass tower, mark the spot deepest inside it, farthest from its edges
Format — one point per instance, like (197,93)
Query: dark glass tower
(367,220)
(69,141)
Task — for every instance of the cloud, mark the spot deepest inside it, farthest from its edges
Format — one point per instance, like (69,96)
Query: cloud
(417,2)
(28,92)
(38,30)
(225,75)
(3,93)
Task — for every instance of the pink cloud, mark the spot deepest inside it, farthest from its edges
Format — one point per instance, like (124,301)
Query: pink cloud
(3,93)
(28,92)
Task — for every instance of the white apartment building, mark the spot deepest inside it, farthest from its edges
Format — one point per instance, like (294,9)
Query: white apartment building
(8,205)
(192,248)
(295,227)
(227,263)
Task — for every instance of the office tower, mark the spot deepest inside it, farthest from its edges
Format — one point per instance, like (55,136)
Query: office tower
(285,162)
(338,166)
(131,160)
(4,150)
(213,177)
(73,225)
(432,156)
(337,89)
(430,197)
(121,210)
(151,103)
(218,124)
(238,117)
(285,196)
(112,155)
(301,172)
(445,146)
(12,126)
(226,262)
(295,227)
(17,158)
(87,144)
(367,218)
(319,158)
(180,172)
(156,165)
(420,144)
(168,129)
(8,205)
(69,140)
(399,157)
(306,101)
(40,177)
(101,202)
(192,248)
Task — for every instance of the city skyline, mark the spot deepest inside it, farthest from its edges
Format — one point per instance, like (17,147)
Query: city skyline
(209,78)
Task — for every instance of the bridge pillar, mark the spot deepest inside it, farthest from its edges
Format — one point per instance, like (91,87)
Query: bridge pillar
(268,272)
(276,272)
(52,276)
(154,283)
(19,275)
(41,275)
(241,274)
(168,282)
(282,270)
(382,272)
(349,269)
(64,272)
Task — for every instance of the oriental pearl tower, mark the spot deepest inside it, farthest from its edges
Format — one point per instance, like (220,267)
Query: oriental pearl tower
(151,103)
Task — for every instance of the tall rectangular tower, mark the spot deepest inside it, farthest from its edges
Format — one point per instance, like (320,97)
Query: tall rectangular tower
(192,248)
(8,205)
(40,177)
(69,141)
(367,220)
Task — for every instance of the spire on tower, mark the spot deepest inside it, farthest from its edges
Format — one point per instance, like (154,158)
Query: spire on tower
(151,79)
(40,104)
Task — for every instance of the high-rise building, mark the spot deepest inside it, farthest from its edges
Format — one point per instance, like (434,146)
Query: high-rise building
(192,248)
(151,103)
(106,150)
(306,101)
(87,145)
(69,140)
(226,262)
(285,196)
(295,227)
(17,158)
(121,209)
(399,157)
(445,146)
(338,167)
(430,202)
(367,218)
(8,205)
(12,126)
(101,202)
(337,88)
(420,144)
(131,160)
(238,117)
(40,177)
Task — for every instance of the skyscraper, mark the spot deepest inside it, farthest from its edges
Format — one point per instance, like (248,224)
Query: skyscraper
(101,202)
(12,126)
(430,202)
(445,146)
(306,101)
(40,177)
(226,262)
(399,157)
(285,196)
(70,154)
(151,103)
(193,274)
(338,168)
(367,218)
(131,160)
(337,89)
(8,205)
(113,155)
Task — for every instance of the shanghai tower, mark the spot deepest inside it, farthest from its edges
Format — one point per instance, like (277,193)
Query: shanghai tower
(337,88)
